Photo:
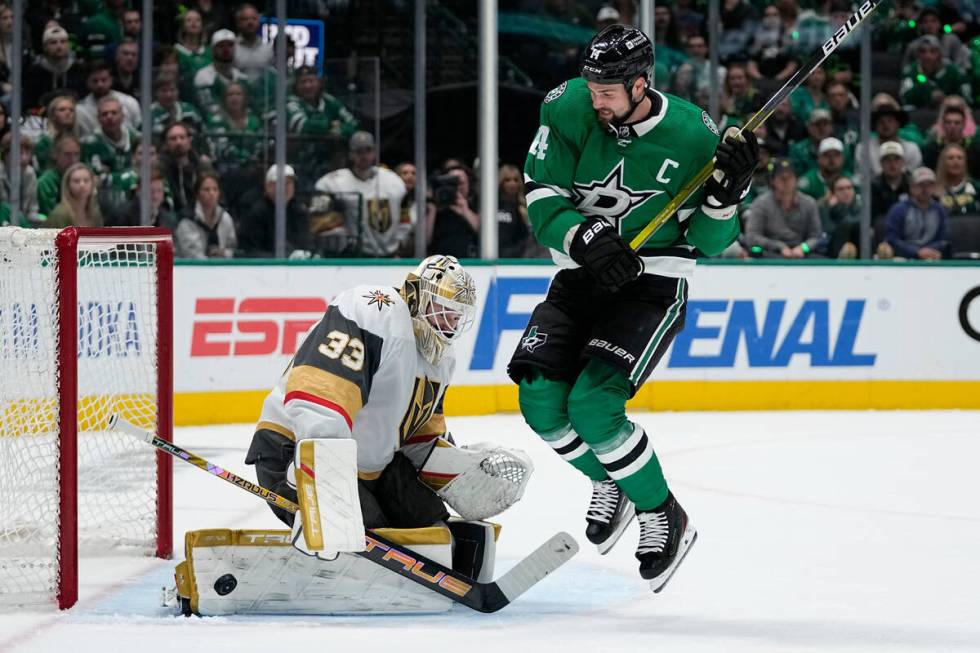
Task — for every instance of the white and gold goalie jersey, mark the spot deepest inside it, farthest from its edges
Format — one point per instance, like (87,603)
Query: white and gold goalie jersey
(376,202)
(358,373)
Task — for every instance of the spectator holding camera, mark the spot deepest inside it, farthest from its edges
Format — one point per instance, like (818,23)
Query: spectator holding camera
(456,231)
(371,199)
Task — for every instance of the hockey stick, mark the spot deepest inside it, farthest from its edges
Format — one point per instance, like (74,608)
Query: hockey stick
(482,597)
(760,117)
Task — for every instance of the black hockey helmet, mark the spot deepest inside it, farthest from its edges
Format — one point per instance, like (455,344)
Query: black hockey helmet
(618,55)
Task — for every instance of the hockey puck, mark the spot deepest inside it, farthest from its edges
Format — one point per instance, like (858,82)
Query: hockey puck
(225,585)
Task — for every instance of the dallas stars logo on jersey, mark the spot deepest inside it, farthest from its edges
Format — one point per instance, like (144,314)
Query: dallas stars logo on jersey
(533,339)
(610,197)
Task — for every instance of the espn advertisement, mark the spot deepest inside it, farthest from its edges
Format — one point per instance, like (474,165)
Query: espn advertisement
(236,327)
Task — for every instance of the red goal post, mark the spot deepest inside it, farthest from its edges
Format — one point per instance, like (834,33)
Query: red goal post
(86,330)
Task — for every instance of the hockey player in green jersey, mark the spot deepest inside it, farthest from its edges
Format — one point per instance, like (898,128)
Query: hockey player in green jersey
(611,151)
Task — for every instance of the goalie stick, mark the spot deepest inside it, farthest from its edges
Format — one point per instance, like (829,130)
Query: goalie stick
(482,597)
(863,11)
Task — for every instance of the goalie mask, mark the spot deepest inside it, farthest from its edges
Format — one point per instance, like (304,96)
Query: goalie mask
(441,297)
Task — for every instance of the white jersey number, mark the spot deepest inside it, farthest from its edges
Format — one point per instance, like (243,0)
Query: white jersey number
(337,343)
(539,146)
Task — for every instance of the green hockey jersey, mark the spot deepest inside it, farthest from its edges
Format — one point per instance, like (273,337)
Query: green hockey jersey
(578,168)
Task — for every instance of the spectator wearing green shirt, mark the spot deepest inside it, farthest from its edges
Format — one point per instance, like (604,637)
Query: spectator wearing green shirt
(67,152)
(810,96)
(817,182)
(109,150)
(166,108)
(235,133)
(803,153)
(193,52)
(929,79)
(210,81)
(104,29)
(312,112)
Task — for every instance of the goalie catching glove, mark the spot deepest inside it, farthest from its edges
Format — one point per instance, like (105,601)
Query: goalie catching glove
(736,158)
(324,474)
(484,479)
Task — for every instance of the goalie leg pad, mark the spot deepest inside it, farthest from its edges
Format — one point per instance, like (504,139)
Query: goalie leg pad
(327,492)
(257,572)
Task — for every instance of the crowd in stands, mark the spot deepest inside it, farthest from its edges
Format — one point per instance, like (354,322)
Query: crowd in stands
(213,116)
(806,198)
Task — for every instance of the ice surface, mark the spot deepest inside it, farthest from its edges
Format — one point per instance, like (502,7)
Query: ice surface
(818,531)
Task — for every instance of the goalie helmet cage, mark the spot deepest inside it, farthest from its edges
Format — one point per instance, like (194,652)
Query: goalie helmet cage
(85,331)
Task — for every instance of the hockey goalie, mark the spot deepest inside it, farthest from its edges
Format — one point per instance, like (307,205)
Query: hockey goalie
(354,433)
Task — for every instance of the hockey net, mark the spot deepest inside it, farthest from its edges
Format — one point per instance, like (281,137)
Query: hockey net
(85,322)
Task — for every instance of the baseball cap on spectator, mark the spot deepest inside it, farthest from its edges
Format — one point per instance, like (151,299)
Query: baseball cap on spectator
(54,32)
(923,175)
(928,40)
(817,115)
(830,144)
(361,141)
(779,165)
(271,176)
(891,148)
(222,35)
(607,13)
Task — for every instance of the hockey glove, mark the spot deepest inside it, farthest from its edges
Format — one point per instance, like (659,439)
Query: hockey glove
(599,249)
(736,158)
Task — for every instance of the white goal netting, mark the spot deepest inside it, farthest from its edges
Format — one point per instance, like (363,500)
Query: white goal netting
(115,483)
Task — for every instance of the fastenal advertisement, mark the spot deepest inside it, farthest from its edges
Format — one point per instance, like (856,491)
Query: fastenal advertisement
(771,336)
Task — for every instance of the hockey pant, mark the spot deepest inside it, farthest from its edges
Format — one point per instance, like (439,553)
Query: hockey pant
(583,355)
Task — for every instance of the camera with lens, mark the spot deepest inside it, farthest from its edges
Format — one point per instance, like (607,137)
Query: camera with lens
(444,190)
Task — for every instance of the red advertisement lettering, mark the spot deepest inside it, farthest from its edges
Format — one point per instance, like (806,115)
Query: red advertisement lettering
(257,326)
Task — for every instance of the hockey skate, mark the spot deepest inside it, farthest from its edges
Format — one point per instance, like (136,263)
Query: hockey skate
(610,512)
(666,535)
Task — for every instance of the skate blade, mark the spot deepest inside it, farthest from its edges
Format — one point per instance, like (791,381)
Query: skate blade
(687,541)
(606,547)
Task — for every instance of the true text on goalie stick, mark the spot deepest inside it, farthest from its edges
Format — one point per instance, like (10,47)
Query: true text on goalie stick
(760,117)
(482,597)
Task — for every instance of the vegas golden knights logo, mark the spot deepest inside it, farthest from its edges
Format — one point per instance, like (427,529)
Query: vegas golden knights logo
(420,408)
(379,214)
